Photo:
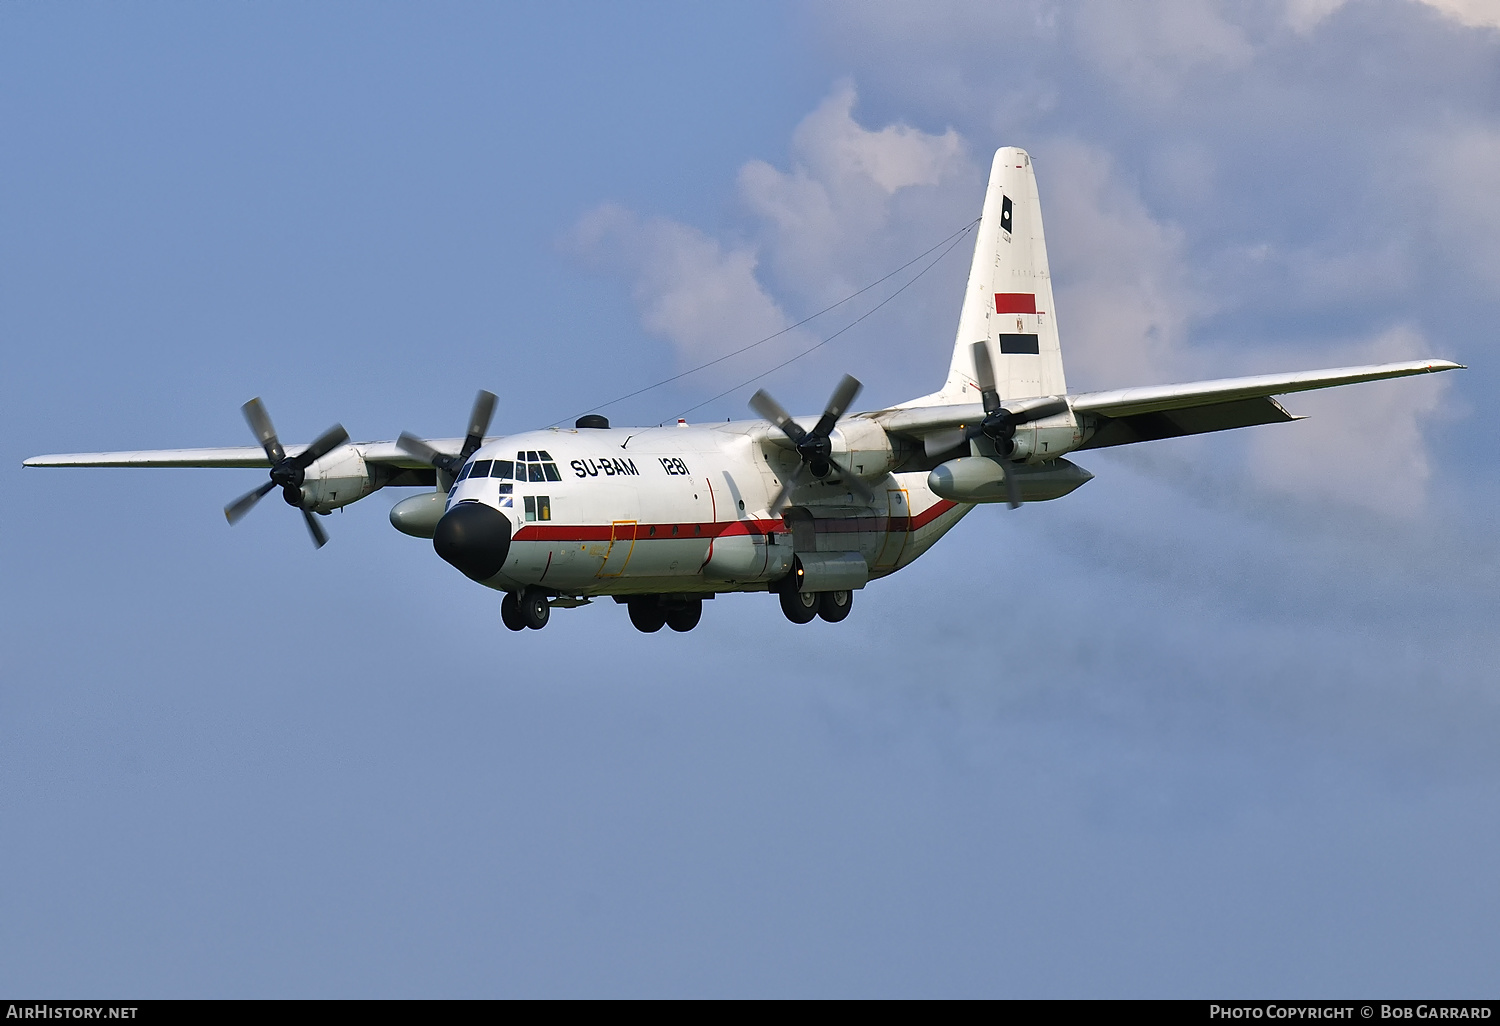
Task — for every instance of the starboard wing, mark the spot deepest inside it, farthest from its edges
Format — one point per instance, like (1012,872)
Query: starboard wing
(1163,411)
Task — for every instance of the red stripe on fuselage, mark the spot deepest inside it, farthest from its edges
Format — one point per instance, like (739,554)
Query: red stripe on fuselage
(685,532)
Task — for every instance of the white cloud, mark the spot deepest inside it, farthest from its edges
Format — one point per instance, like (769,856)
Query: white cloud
(1306,15)
(1123,302)
(1151,46)
(1362,445)
(854,203)
(1463,167)
(1474,13)
(691,290)
(854,198)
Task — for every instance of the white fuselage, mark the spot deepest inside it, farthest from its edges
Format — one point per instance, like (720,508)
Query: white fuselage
(683,510)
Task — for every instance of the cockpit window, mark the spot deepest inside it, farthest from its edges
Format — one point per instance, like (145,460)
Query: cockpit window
(464,472)
(535,465)
(504,470)
(481,468)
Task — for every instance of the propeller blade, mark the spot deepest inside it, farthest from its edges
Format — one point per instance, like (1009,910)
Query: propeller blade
(479,423)
(837,403)
(245,503)
(323,445)
(788,483)
(414,446)
(984,376)
(854,484)
(260,422)
(1012,486)
(314,528)
(762,403)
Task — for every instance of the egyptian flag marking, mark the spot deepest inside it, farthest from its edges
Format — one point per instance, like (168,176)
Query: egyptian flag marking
(1015,302)
(1005,213)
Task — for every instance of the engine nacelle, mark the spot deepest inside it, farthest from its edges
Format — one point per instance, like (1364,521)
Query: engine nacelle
(982,479)
(863,447)
(340,478)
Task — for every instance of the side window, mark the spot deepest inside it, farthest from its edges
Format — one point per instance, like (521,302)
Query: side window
(534,471)
(550,469)
(543,508)
(462,474)
(531,507)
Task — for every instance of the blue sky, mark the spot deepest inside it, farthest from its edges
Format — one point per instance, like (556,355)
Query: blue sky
(1220,723)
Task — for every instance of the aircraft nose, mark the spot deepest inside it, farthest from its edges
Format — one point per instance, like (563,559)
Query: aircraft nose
(475,538)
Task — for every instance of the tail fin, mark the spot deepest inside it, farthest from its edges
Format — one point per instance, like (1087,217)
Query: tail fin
(1008,301)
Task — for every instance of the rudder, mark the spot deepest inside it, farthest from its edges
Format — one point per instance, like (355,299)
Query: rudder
(1008,301)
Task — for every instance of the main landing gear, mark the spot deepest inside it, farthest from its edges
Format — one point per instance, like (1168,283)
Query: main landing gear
(803,606)
(528,609)
(650,613)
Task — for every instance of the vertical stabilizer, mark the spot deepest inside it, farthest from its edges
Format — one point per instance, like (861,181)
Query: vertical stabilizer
(1008,301)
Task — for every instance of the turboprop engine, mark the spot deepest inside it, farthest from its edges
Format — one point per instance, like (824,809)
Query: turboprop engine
(338,479)
(861,450)
(864,448)
(983,479)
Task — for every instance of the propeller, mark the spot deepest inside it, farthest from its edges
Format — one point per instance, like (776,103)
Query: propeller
(813,447)
(287,472)
(999,423)
(479,423)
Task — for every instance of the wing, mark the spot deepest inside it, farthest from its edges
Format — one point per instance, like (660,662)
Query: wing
(234,456)
(1164,411)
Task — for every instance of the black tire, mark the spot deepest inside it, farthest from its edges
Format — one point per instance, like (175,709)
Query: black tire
(799,606)
(685,617)
(833,606)
(510,612)
(647,614)
(534,608)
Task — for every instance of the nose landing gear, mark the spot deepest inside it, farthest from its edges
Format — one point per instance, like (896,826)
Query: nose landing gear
(529,609)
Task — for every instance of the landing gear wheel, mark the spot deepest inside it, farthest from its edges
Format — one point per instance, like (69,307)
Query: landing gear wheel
(833,606)
(799,606)
(510,612)
(534,608)
(647,614)
(686,616)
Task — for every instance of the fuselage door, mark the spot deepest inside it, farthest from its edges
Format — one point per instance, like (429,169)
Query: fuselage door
(621,544)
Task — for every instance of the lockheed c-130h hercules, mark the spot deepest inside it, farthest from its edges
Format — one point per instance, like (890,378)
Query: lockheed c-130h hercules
(808,509)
